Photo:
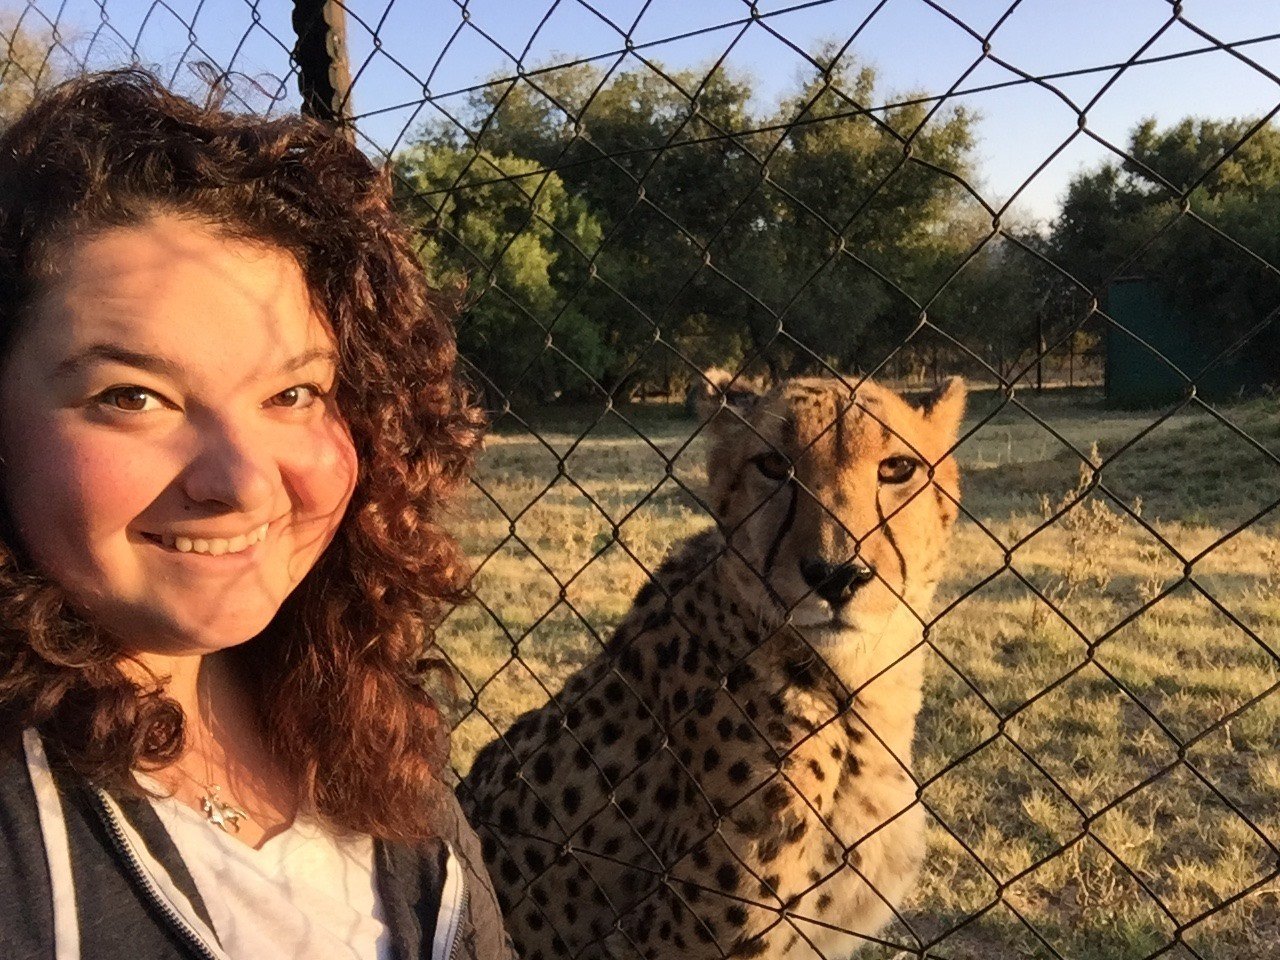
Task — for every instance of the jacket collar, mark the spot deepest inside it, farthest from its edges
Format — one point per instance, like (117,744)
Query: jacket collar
(421,906)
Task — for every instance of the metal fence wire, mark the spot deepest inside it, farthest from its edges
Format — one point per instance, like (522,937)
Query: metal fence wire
(1096,754)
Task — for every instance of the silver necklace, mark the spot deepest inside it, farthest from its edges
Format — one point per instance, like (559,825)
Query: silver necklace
(223,814)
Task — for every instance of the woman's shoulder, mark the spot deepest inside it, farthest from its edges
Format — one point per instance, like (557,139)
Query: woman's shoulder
(25,904)
(17,792)
(483,933)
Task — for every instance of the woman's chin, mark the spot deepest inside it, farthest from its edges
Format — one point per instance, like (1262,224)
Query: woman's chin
(162,634)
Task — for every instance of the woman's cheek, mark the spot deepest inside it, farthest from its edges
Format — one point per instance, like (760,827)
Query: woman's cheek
(322,474)
(73,494)
(82,488)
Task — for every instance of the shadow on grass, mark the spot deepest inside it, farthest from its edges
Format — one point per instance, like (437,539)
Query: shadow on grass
(1193,470)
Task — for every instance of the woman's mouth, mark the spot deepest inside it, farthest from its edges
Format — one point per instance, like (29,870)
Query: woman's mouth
(213,546)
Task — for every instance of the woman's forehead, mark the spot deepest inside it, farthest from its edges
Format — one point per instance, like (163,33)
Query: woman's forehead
(177,287)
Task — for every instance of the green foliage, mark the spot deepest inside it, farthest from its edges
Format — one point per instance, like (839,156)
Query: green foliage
(516,241)
(657,223)
(1194,208)
(1219,157)
(993,306)
(861,214)
(703,227)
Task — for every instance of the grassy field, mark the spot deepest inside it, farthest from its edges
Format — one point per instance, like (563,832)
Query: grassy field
(1102,769)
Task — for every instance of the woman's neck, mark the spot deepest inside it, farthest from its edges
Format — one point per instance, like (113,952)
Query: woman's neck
(215,707)
(181,677)
(224,744)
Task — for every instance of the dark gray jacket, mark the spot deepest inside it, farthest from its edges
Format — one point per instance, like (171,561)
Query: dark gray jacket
(87,875)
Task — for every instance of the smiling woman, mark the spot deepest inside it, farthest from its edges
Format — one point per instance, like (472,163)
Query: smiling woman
(171,401)
(228,416)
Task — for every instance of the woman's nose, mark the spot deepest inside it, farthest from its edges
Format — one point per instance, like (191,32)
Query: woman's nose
(232,468)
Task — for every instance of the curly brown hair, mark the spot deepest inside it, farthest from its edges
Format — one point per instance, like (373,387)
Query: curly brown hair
(339,669)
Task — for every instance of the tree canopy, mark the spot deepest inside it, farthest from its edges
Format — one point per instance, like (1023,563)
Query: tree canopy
(1192,207)
(809,235)
(26,66)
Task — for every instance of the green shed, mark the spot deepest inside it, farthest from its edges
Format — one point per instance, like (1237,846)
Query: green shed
(1154,350)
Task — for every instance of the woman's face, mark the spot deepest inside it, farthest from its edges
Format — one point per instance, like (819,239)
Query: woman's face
(171,458)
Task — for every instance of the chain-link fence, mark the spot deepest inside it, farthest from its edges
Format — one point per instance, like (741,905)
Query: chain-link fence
(1096,752)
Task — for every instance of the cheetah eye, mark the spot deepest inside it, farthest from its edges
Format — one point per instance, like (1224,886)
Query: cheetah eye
(897,469)
(775,466)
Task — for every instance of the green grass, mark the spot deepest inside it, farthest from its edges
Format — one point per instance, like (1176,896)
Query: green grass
(1060,802)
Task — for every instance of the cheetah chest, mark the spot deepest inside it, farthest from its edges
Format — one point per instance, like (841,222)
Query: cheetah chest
(829,830)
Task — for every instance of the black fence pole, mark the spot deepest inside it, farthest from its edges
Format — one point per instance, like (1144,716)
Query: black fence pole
(1041,349)
(324,74)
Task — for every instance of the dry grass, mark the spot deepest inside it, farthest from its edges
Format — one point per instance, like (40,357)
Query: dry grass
(1084,785)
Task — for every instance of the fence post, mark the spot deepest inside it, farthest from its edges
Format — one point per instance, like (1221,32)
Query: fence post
(324,74)
(1040,346)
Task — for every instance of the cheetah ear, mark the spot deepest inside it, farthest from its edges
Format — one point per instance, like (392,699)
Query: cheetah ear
(944,407)
(717,389)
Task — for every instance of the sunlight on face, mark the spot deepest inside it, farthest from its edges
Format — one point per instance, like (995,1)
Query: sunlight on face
(166,400)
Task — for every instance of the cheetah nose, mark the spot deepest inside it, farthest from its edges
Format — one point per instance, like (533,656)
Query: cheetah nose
(835,583)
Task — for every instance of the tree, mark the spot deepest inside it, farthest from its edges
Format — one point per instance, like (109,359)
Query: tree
(862,213)
(711,229)
(512,237)
(672,186)
(1219,157)
(26,67)
(1194,208)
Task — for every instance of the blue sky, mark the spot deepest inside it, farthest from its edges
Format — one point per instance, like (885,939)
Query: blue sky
(914,46)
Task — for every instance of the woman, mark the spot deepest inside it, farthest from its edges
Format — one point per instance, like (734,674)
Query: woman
(228,414)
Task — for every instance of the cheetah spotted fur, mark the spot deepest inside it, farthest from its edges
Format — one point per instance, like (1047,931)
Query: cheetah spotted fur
(731,777)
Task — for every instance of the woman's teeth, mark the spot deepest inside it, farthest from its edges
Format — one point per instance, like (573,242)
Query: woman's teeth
(213,545)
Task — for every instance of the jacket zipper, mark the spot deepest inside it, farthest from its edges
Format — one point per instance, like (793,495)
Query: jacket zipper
(125,850)
(462,909)
(463,902)
(193,939)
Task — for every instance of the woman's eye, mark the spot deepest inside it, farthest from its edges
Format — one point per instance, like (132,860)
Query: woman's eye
(775,466)
(298,397)
(127,399)
(897,469)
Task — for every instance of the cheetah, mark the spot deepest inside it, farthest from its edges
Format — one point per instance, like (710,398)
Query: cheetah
(731,776)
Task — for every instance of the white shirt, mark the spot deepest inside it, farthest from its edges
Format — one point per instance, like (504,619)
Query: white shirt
(305,895)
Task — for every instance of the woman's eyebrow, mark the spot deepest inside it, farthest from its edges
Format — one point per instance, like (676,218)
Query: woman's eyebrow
(153,363)
(113,353)
(307,357)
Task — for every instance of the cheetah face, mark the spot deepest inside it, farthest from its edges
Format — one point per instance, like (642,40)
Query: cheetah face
(838,502)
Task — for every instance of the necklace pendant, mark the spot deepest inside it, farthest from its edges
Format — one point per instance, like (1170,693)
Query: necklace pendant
(222,814)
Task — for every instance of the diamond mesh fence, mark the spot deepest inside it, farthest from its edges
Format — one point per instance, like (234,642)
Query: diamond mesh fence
(657,243)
